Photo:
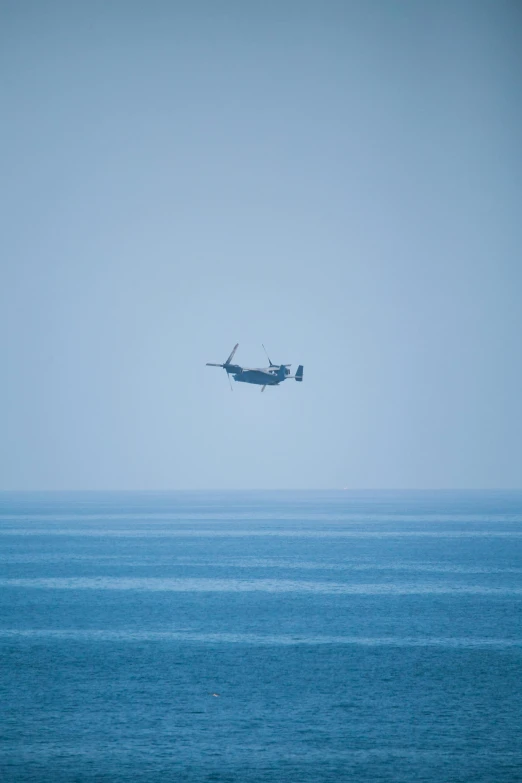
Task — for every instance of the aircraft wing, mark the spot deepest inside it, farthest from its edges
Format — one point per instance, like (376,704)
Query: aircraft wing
(268,370)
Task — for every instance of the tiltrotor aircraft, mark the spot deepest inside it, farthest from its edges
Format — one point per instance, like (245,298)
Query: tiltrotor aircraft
(262,376)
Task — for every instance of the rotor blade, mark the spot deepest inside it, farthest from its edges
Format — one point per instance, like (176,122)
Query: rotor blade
(267,356)
(264,387)
(232,354)
(211,364)
(230,382)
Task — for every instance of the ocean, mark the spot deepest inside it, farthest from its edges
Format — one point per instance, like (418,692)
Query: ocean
(247,637)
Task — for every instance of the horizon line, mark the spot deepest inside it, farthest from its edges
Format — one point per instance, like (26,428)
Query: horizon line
(264,489)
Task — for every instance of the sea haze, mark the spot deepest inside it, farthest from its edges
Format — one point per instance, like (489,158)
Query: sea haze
(261,636)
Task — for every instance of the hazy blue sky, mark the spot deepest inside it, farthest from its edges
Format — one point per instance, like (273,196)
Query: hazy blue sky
(339,180)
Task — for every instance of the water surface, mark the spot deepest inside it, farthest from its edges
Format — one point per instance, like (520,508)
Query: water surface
(311,636)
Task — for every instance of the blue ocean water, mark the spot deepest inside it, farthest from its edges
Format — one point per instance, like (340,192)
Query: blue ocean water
(253,637)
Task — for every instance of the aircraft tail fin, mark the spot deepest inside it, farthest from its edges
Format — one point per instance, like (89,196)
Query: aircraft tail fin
(281,372)
(299,373)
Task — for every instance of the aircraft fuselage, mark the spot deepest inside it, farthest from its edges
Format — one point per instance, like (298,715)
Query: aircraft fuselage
(258,377)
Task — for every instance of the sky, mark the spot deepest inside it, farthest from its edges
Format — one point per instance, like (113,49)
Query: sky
(340,181)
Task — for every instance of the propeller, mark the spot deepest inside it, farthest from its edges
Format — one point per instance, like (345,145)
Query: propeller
(226,364)
(267,356)
(232,354)
(213,364)
(270,362)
